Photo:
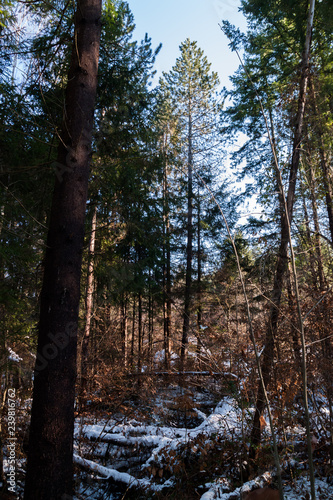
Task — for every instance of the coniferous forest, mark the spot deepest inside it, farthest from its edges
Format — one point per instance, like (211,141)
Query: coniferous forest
(166,257)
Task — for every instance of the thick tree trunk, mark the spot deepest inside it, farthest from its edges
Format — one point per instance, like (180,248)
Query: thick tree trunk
(50,457)
(282,259)
(189,247)
(3,355)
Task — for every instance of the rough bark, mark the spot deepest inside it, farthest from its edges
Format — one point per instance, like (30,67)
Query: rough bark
(50,456)
(3,355)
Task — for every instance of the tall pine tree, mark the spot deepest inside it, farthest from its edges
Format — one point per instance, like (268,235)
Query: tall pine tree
(192,90)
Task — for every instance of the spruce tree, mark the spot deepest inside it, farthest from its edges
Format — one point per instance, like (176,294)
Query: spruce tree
(126,173)
(192,89)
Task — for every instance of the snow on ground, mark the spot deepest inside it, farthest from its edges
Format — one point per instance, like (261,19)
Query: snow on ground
(159,357)
(121,477)
(323,489)
(225,418)
(159,441)
(216,491)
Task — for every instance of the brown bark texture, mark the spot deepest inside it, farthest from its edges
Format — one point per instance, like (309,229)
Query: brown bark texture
(49,468)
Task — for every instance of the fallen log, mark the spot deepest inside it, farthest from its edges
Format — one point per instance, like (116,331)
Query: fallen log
(121,479)
(245,492)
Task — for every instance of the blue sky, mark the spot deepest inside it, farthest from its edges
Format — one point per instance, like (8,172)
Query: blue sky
(171,22)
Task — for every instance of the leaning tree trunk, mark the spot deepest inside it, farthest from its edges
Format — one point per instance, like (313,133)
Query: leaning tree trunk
(282,259)
(50,455)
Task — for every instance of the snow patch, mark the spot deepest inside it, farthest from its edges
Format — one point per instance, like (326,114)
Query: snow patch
(13,356)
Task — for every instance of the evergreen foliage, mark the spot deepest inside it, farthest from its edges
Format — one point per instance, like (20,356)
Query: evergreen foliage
(160,294)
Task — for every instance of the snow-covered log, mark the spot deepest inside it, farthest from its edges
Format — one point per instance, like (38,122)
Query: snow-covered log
(225,417)
(148,441)
(216,490)
(120,478)
(225,420)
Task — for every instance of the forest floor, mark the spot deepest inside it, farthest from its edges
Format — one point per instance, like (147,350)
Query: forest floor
(190,441)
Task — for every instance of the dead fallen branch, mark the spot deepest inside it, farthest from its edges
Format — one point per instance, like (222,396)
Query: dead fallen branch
(121,479)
